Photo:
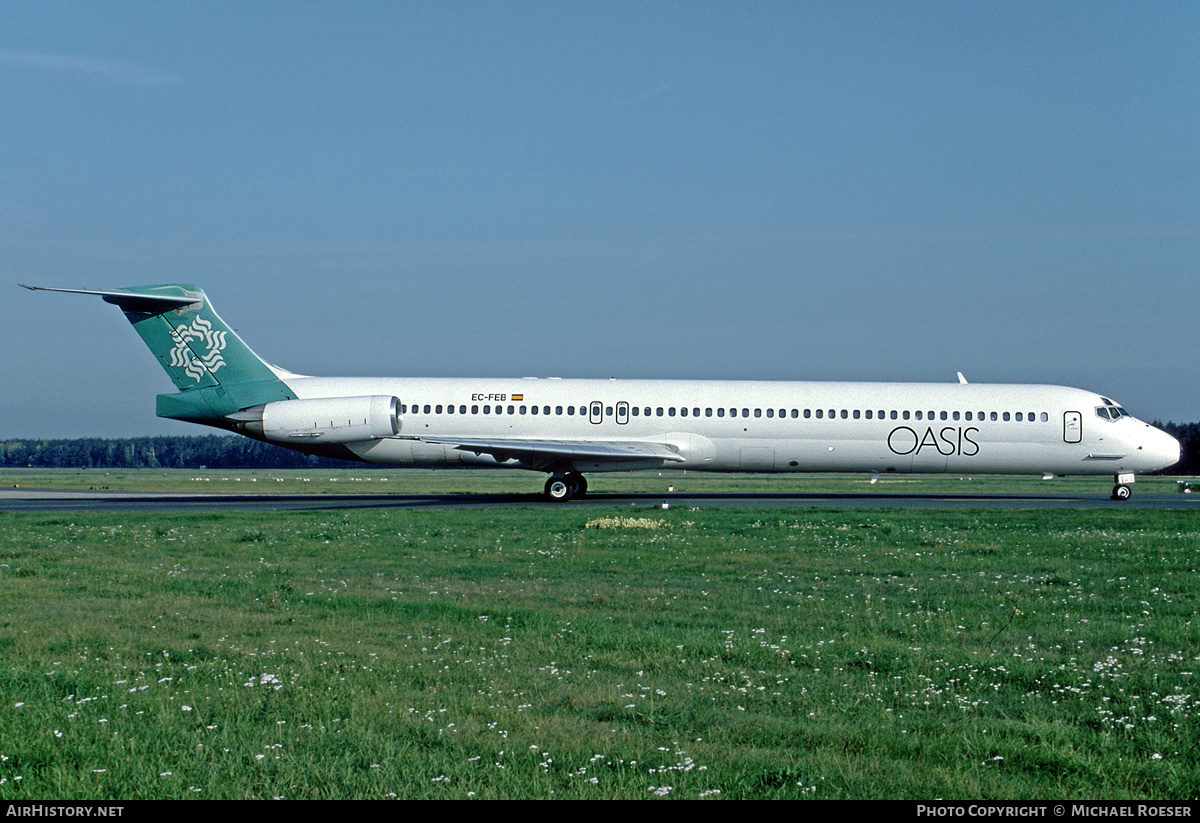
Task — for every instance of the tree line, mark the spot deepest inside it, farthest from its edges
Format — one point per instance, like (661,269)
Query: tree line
(1188,435)
(211,451)
(216,451)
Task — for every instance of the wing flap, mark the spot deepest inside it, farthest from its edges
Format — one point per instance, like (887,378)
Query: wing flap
(531,450)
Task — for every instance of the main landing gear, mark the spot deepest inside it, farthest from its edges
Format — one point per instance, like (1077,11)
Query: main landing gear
(1121,491)
(563,487)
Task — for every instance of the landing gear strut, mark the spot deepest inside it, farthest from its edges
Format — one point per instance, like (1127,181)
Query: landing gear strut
(563,487)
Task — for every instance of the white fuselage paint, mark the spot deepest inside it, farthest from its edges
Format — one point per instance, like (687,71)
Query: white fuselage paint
(862,427)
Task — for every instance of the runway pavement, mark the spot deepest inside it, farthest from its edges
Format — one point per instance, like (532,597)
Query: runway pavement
(35,500)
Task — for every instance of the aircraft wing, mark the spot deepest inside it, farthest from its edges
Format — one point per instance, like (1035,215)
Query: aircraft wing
(549,451)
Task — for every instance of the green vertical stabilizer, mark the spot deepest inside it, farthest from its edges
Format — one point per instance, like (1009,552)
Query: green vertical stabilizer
(216,373)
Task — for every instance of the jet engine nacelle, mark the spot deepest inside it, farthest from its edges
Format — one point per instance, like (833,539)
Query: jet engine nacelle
(331,419)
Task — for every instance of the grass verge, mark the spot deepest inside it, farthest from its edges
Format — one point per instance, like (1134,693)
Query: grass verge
(572,653)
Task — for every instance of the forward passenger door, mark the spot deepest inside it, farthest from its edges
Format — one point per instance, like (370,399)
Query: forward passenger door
(1072,427)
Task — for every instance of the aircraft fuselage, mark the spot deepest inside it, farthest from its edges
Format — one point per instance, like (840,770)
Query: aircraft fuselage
(766,426)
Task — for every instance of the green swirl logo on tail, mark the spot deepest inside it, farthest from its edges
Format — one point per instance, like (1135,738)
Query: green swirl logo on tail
(193,364)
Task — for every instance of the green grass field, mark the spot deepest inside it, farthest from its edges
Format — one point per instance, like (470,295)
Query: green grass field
(395,480)
(582,653)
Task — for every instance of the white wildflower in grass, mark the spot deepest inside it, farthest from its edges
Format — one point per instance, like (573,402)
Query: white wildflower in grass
(265,680)
(624,523)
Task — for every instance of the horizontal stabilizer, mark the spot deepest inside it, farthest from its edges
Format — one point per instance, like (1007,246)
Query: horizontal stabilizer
(133,301)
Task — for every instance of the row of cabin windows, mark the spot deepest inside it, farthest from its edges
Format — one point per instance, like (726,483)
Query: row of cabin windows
(671,411)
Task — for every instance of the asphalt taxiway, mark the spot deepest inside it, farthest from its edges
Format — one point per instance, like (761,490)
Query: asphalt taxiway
(42,500)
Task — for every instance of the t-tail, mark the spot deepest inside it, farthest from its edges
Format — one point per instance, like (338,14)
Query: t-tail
(216,373)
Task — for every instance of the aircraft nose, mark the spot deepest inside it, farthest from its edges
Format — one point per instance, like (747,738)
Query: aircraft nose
(1163,449)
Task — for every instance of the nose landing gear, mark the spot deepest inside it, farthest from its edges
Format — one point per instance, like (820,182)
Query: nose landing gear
(1121,491)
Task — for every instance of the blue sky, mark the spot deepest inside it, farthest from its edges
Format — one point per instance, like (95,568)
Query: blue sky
(784,191)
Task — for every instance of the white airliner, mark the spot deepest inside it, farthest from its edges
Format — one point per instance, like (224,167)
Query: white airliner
(567,427)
